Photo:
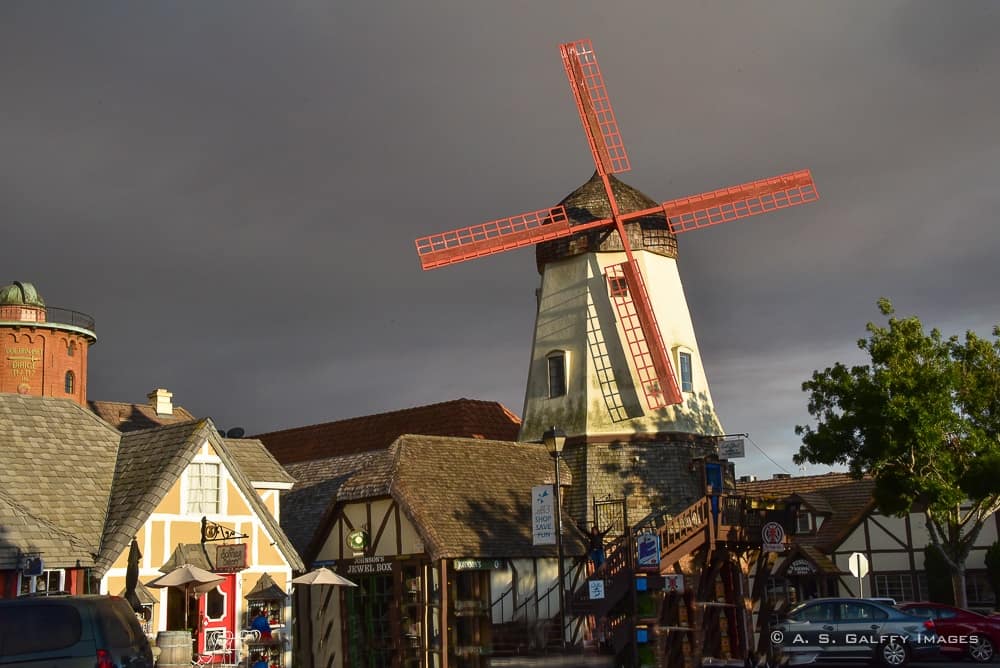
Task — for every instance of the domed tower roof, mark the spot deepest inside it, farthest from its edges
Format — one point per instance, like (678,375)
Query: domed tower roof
(20,294)
(588,203)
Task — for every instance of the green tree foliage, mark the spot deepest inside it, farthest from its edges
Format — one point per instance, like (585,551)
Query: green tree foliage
(923,419)
(993,571)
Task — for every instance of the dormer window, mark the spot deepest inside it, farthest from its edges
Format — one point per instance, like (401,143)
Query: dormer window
(557,373)
(803,522)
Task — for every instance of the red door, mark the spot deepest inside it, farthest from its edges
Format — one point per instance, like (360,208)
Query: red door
(217,609)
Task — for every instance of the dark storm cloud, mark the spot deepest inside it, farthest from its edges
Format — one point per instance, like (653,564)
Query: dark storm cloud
(232,189)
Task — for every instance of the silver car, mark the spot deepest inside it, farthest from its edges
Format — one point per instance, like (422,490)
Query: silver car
(852,629)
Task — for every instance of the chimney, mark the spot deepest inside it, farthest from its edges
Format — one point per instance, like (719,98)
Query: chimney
(159,399)
(781,476)
(748,478)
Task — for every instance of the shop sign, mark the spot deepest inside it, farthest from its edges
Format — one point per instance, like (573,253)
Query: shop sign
(543,515)
(596,589)
(369,565)
(772,537)
(479,564)
(800,567)
(648,545)
(673,582)
(231,558)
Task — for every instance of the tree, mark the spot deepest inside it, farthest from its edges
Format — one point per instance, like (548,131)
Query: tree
(923,419)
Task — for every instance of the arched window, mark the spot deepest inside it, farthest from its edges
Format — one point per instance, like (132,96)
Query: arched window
(557,373)
(72,348)
(70,382)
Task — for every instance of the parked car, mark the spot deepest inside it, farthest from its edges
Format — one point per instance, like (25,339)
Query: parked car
(883,601)
(71,632)
(852,629)
(961,632)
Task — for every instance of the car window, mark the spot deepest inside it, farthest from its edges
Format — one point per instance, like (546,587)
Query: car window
(944,613)
(860,612)
(919,612)
(116,627)
(30,629)
(821,612)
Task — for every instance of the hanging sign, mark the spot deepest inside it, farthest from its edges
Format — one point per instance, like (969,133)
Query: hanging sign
(732,449)
(648,545)
(596,589)
(772,537)
(543,515)
(800,567)
(230,558)
(479,564)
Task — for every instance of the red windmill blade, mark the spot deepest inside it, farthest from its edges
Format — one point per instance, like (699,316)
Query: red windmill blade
(627,289)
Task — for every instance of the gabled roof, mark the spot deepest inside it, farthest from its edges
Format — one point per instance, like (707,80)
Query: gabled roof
(466,497)
(472,498)
(58,462)
(462,417)
(149,464)
(318,488)
(254,459)
(849,500)
(132,417)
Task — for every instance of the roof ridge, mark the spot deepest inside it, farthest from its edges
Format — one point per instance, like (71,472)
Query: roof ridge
(400,411)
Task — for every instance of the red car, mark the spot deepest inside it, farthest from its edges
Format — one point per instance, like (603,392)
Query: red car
(960,632)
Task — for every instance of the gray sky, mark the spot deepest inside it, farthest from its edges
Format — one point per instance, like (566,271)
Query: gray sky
(233,188)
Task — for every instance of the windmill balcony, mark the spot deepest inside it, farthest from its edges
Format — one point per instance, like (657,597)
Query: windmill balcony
(49,315)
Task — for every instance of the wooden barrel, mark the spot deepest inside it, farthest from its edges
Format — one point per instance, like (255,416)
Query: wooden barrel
(175,648)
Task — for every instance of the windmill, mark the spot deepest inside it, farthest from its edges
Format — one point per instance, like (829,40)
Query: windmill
(562,228)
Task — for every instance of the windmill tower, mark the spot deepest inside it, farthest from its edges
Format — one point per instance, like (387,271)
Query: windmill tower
(615,362)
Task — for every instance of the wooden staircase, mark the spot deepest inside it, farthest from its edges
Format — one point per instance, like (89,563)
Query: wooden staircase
(712,522)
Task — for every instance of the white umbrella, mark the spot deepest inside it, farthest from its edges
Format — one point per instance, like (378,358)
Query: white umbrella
(189,578)
(323,576)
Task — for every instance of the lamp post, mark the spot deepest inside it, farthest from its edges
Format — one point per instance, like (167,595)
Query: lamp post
(554,440)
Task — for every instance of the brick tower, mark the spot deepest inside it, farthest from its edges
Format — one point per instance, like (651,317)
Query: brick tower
(44,348)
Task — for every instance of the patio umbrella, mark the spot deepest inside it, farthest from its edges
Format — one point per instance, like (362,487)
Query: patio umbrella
(132,576)
(323,576)
(190,579)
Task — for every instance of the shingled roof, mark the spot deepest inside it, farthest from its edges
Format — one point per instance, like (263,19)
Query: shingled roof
(468,418)
(257,462)
(466,497)
(48,446)
(132,417)
(148,465)
(847,499)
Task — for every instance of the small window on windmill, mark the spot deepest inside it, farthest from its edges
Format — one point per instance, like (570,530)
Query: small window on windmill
(69,382)
(684,368)
(557,373)
(617,287)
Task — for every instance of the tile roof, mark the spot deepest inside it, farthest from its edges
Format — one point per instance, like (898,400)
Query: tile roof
(466,497)
(256,462)
(131,417)
(461,417)
(48,447)
(848,499)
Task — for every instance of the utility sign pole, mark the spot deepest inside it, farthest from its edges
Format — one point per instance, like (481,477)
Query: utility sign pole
(858,564)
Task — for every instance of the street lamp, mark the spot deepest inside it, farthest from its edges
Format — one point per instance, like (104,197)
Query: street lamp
(554,440)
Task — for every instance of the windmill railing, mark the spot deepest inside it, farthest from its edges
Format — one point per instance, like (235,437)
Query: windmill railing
(50,315)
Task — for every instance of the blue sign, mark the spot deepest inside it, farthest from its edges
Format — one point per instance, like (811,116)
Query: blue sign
(649,549)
